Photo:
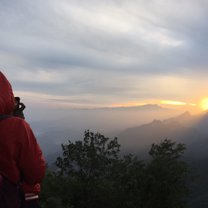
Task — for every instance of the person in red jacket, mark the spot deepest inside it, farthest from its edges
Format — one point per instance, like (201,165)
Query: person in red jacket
(31,193)
(21,159)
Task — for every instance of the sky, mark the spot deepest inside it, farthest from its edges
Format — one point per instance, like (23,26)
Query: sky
(91,54)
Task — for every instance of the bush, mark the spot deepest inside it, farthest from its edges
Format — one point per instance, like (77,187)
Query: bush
(90,174)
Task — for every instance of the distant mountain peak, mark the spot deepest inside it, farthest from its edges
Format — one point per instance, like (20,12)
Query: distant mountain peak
(156,122)
(185,114)
(182,118)
(150,106)
(138,107)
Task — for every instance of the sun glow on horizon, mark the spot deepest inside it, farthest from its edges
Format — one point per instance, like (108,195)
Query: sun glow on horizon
(172,102)
(157,102)
(204,104)
(129,104)
(177,103)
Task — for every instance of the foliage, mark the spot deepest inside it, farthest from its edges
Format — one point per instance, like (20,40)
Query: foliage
(92,173)
(166,184)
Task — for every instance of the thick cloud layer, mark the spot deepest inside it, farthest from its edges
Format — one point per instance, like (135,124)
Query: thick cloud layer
(105,52)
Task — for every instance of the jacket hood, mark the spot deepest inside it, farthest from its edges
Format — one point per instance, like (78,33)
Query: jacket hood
(6,96)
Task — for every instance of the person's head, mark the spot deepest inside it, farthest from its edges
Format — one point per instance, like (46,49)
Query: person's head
(7,100)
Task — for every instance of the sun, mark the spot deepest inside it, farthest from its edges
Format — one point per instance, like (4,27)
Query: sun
(204,104)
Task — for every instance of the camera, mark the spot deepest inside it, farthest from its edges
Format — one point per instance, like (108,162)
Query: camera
(19,108)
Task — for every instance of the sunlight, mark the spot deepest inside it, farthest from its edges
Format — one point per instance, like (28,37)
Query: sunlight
(176,103)
(204,104)
(129,104)
(172,102)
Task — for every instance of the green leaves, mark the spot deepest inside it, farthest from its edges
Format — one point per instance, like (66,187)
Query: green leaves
(167,175)
(90,158)
(167,150)
(91,174)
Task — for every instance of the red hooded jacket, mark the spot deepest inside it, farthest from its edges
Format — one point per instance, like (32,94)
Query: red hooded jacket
(20,156)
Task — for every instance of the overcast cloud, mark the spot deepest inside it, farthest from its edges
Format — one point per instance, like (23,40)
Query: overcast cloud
(97,53)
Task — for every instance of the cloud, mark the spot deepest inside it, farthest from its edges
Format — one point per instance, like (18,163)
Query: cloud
(107,50)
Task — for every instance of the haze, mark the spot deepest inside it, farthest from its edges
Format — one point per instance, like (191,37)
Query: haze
(73,63)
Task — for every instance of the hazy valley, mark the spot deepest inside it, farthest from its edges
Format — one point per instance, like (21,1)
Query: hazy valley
(148,124)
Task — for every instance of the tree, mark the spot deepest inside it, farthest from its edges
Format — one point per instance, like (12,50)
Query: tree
(87,165)
(92,173)
(90,158)
(166,181)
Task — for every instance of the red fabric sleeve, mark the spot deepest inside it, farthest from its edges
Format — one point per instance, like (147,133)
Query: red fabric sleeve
(30,161)
(31,188)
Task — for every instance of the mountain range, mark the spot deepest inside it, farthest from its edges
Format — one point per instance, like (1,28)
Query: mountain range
(185,128)
(191,130)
